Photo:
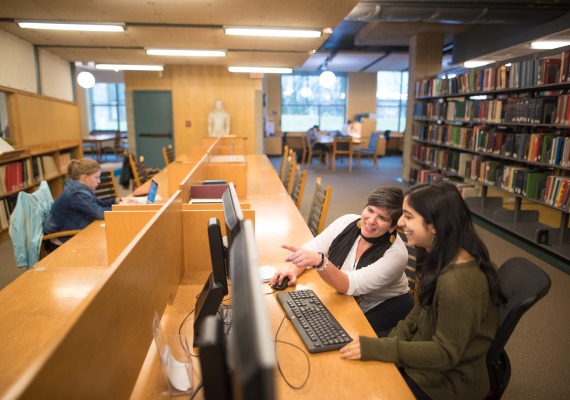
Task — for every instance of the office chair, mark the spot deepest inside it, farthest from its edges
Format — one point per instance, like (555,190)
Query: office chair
(319,208)
(342,147)
(140,172)
(371,151)
(524,284)
(27,223)
(298,185)
(168,154)
(107,188)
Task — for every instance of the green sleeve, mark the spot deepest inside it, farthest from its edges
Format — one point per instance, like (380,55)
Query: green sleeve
(454,301)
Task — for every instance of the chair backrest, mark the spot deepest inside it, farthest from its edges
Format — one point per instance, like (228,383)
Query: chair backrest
(524,283)
(410,270)
(373,141)
(342,145)
(138,169)
(283,161)
(168,154)
(319,207)
(289,170)
(296,141)
(107,189)
(298,186)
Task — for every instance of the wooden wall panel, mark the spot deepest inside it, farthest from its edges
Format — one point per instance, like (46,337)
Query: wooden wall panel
(36,120)
(194,91)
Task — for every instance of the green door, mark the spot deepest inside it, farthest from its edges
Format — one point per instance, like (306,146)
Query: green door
(153,124)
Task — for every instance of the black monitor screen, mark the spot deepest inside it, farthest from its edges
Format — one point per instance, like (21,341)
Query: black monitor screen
(252,356)
(217,253)
(232,212)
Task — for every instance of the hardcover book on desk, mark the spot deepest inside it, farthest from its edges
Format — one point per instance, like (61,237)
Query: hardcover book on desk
(207,193)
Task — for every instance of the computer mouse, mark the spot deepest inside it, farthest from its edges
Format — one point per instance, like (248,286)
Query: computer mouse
(283,284)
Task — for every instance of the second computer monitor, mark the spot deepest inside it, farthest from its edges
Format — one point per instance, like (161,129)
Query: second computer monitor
(217,253)
(233,215)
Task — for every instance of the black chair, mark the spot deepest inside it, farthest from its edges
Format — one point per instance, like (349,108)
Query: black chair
(524,284)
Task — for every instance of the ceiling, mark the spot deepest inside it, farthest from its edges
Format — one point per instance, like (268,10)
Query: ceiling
(366,36)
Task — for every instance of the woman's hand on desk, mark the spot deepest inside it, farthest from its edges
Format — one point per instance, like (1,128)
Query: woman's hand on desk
(285,273)
(128,200)
(352,350)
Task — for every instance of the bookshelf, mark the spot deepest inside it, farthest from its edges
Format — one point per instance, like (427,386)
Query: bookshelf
(502,133)
(24,169)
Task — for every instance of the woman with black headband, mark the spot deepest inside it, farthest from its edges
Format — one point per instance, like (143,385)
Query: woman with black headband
(362,256)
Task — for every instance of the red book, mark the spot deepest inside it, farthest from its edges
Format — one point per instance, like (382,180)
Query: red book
(564,66)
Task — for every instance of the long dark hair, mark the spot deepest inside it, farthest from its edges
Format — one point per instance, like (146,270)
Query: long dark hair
(441,205)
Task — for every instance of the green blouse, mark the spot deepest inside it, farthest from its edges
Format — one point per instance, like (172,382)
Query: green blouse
(443,347)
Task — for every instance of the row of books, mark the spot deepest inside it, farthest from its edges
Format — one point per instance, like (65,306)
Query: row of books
(7,206)
(550,148)
(22,173)
(527,110)
(418,175)
(530,183)
(522,74)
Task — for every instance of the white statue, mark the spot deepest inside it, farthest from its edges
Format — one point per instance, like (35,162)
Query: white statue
(218,121)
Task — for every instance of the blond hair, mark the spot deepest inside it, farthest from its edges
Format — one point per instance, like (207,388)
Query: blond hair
(84,166)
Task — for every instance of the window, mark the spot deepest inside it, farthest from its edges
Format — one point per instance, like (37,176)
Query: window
(391,100)
(304,103)
(107,105)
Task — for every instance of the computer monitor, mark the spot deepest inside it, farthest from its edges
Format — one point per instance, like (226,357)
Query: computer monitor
(233,214)
(250,357)
(210,298)
(251,354)
(217,253)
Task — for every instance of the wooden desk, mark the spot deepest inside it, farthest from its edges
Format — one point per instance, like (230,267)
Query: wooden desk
(98,141)
(358,379)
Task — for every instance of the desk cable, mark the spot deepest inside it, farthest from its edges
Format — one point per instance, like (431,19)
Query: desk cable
(279,365)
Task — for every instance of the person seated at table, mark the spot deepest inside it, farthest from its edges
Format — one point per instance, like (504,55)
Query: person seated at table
(315,133)
(361,256)
(77,206)
(441,346)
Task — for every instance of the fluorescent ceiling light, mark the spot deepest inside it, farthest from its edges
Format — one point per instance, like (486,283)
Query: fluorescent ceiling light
(262,70)
(130,67)
(272,32)
(476,63)
(549,44)
(187,53)
(72,26)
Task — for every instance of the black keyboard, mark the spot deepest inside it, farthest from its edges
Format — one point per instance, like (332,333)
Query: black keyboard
(317,327)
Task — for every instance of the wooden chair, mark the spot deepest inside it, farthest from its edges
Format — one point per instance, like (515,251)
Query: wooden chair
(107,188)
(313,152)
(140,172)
(168,154)
(298,185)
(26,226)
(296,141)
(372,151)
(289,170)
(342,147)
(283,162)
(120,145)
(319,208)
(413,282)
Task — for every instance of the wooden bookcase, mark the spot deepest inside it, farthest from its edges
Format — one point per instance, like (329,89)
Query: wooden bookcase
(24,169)
(502,132)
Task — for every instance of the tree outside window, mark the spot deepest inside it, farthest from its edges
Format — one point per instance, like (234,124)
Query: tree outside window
(108,109)
(391,100)
(306,103)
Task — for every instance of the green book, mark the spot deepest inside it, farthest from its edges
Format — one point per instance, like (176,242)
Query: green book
(534,184)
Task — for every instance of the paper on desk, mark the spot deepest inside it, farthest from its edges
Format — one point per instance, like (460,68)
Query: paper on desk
(266,272)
